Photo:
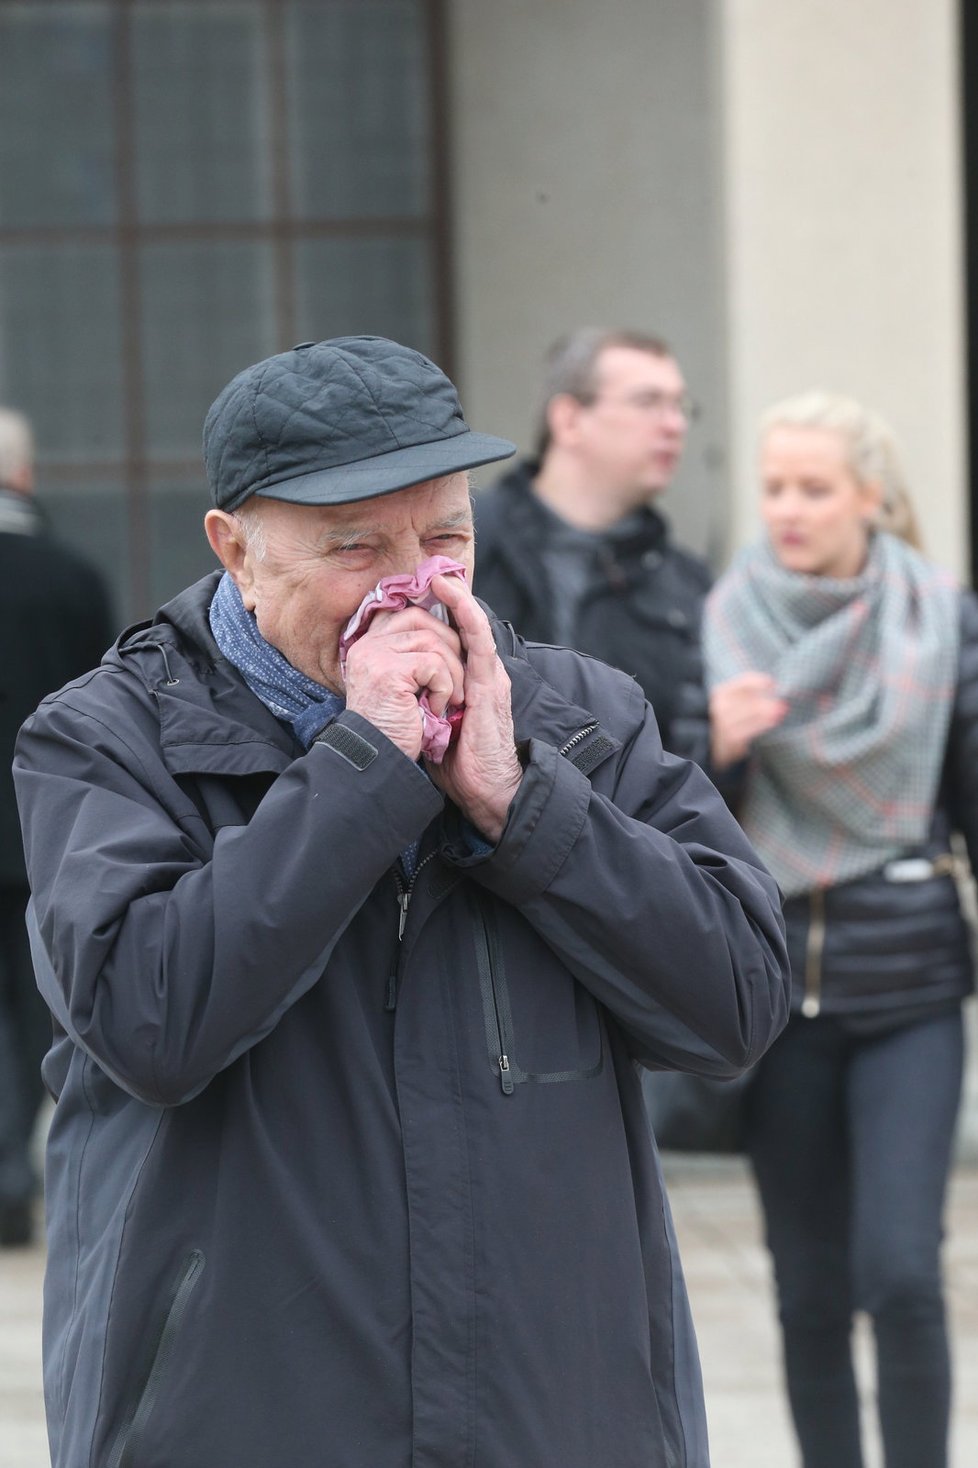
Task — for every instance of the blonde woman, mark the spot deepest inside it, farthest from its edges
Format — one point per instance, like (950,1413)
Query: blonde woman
(844,675)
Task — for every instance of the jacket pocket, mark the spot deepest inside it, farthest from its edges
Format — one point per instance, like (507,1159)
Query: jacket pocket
(148,1392)
(503,1043)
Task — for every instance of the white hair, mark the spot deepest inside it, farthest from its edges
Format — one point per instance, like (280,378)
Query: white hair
(16,446)
(249,517)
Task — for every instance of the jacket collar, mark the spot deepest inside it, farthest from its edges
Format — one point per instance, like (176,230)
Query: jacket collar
(645,530)
(541,711)
(211,722)
(19,515)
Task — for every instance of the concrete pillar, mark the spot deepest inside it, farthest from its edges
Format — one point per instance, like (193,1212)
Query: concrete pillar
(844,258)
(587,192)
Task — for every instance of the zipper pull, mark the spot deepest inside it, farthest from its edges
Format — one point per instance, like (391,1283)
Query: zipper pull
(505,1075)
(403,902)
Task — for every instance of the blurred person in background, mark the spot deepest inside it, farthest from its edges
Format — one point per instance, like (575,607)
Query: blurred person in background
(572,546)
(54,614)
(844,675)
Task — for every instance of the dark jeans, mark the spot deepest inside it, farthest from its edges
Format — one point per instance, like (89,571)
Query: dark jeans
(25,1036)
(850,1139)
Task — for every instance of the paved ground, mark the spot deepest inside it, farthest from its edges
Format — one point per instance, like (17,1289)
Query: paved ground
(727,1273)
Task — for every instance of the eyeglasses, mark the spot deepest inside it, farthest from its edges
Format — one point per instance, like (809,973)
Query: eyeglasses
(655,404)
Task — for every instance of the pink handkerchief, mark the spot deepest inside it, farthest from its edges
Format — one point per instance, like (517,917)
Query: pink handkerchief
(394,593)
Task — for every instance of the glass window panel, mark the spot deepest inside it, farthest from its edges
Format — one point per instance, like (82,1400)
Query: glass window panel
(358,90)
(354,287)
(202,150)
(208,311)
(60,333)
(179,552)
(56,115)
(92,517)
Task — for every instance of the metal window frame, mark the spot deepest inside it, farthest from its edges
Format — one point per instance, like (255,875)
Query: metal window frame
(136,467)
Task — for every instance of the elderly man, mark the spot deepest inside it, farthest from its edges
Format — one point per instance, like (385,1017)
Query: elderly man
(349,1163)
(572,546)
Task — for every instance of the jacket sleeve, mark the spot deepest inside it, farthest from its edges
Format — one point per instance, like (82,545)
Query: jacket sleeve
(173,951)
(961,763)
(689,727)
(642,882)
(688,734)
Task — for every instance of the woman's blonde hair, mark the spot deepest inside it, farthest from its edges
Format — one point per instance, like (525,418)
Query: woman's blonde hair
(871,450)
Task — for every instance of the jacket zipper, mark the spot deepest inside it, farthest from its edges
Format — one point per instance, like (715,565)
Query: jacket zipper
(814,947)
(487,977)
(403,895)
(133,1427)
(577,738)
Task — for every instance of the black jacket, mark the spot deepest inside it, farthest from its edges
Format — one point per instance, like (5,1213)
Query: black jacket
(641,612)
(54,623)
(894,946)
(300,1214)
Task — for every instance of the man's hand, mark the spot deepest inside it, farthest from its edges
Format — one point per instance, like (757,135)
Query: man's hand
(401,655)
(740,709)
(481,771)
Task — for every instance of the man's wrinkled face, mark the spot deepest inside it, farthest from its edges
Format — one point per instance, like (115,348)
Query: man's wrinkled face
(631,433)
(319,561)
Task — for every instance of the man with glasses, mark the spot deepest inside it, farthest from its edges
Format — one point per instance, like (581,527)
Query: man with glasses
(571,547)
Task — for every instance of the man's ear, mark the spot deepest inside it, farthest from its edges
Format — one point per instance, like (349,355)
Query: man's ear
(227,541)
(563,411)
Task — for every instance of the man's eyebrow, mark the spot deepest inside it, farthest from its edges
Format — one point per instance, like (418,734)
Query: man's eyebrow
(340,535)
(454,521)
(343,534)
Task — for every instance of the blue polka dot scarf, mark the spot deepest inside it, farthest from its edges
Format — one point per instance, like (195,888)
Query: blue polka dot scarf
(290,695)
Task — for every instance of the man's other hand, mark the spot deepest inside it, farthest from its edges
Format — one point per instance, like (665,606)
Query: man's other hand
(481,771)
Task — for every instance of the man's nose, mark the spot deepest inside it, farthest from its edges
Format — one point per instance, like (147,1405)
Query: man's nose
(415,559)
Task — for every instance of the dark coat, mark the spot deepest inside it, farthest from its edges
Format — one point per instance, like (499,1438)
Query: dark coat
(641,611)
(55,621)
(301,1214)
(888,948)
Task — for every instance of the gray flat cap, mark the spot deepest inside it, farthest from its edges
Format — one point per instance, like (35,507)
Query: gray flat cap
(335,421)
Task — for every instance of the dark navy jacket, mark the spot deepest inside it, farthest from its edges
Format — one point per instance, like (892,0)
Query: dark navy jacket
(894,946)
(318,1195)
(640,610)
(55,622)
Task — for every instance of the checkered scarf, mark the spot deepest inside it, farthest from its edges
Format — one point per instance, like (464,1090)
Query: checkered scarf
(868,667)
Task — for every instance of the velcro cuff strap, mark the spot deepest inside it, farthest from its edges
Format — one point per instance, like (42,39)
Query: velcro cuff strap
(590,755)
(348,745)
